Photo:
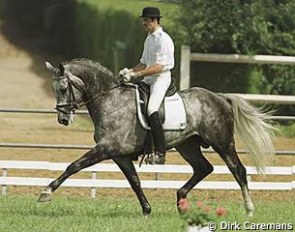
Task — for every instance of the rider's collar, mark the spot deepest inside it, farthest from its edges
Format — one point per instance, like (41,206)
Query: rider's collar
(157,33)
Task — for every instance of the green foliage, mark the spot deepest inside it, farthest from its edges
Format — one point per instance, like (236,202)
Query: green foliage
(100,33)
(27,14)
(111,31)
(244,27)
(287,130)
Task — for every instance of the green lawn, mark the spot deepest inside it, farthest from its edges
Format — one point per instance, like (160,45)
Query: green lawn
(24,214)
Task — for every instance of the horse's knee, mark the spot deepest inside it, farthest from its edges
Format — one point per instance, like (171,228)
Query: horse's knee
(73,168)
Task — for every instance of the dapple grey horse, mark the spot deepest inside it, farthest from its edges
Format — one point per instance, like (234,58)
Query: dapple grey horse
(212,120)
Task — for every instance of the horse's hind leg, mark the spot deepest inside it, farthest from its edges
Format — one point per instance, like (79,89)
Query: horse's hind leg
(230,157)
(190,151)
(127,167)
(91,157)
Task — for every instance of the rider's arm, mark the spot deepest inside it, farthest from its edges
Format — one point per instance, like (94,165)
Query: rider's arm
(151,70)
(138,67)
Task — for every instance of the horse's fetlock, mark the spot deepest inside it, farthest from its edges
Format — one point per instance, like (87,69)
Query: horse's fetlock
(181,194)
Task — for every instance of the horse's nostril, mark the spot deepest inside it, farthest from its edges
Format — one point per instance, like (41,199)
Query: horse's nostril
(64,122)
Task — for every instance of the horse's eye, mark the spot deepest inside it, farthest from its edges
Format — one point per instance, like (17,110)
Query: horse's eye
(63,88)
(63,85)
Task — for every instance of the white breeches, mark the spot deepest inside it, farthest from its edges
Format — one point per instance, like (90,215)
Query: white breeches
(158,88)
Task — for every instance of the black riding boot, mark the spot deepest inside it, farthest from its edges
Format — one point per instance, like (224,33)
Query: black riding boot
(158,137)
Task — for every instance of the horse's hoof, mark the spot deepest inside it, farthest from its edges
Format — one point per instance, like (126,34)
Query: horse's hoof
(147,210)
(45,197)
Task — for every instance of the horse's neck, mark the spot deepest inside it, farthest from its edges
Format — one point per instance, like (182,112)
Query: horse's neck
(108,103)
(96,100)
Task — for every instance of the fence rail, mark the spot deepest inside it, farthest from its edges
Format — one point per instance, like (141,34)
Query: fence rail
(82,147)
(94,183)
(187,57)
(250,97)
(87,147)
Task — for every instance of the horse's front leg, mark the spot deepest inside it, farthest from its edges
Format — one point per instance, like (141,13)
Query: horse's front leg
(91,157)
(127,167)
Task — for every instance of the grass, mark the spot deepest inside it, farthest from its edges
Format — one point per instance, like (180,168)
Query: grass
(111,214)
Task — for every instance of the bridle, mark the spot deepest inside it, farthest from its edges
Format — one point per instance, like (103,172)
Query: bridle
(72,105)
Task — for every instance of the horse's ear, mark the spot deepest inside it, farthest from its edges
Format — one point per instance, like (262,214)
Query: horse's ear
(61,68)
(49,67)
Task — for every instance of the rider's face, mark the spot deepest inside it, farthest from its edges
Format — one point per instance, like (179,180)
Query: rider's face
(150,24)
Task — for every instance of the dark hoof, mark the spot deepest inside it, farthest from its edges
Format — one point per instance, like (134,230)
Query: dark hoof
(147,211)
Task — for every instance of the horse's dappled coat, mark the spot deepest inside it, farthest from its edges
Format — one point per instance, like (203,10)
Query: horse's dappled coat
(118,135)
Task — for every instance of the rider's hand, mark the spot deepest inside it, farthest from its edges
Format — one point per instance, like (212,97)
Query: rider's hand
(129,76)
(124,71)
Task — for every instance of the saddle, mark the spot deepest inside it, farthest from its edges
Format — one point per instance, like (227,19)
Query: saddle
(172,112)
(144,93)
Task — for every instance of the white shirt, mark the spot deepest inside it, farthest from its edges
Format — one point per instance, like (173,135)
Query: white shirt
(158,49)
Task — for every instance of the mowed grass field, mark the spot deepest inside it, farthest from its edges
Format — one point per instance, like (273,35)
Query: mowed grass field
(22,214)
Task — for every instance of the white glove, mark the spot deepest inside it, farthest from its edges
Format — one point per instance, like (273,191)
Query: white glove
(124,71)
(129,76)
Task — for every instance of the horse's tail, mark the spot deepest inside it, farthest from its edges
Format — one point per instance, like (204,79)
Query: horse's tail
(253,127)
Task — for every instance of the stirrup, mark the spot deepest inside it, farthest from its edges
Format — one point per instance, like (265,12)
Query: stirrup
(155,158)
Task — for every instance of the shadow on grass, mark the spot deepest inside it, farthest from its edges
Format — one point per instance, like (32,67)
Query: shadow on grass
(59,30)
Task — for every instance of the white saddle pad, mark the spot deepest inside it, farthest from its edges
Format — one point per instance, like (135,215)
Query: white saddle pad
(175,114)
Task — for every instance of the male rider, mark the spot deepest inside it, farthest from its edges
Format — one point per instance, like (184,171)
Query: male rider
(154,69)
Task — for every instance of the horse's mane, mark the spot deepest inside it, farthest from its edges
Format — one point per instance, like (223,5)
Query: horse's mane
(90,70)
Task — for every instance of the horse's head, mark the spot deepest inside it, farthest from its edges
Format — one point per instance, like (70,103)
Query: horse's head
(68,90)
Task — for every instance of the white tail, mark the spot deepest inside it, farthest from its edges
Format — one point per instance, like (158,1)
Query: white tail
(253,127)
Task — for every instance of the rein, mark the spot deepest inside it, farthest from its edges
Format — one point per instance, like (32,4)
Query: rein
(99,95)
(73,104)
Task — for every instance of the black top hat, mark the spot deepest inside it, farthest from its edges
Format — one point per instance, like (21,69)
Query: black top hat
(150,12)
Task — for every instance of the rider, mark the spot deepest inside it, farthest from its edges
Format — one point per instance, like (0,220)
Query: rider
(154,69)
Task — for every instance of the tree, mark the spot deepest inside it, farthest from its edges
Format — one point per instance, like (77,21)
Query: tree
(244,27)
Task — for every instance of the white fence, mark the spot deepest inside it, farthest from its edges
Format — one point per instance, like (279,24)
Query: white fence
(94,183)
(187,57)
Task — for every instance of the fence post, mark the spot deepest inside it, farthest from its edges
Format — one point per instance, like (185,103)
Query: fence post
(93,189)
(185,67)
(4,187)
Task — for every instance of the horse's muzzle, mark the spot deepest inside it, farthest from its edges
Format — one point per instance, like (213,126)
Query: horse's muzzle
(65,119)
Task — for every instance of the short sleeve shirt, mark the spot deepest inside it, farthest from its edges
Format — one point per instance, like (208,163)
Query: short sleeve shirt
(158,49)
